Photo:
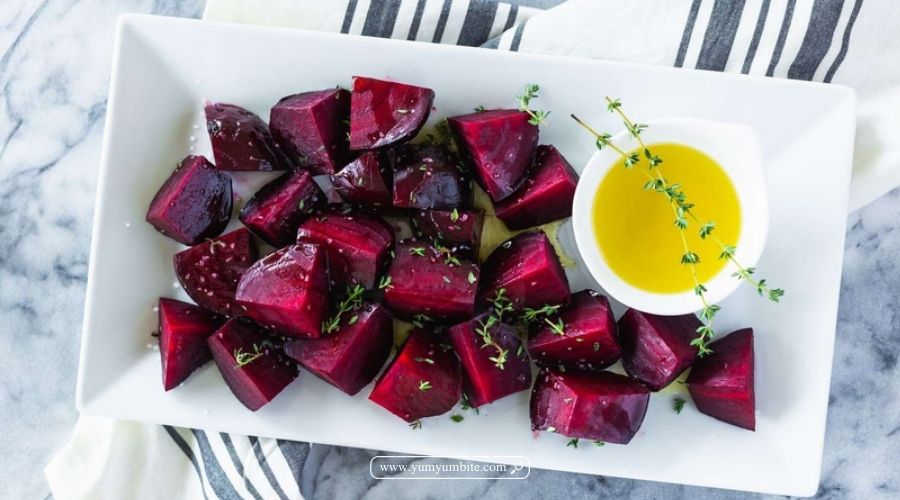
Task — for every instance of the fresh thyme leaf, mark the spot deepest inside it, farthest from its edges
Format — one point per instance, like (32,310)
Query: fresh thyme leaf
(532,92)
(417,424)
(599,444)
(424,385)
(456,418)
(420,251)
(243,359)
(558,327)
(573,443)
(480,109)
(529,315)
(385,283)
(471,277)
(352,301)
(424,360)
(454,215)
(678,405)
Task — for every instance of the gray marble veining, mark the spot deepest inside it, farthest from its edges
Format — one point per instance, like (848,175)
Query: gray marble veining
(54,69)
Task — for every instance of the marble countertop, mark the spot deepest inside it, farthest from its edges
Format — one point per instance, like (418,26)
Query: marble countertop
(54,70)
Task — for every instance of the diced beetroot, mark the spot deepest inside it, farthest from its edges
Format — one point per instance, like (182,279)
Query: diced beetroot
(358,246)
(183,330)
(209,272)
(457,229)
(600,406)
(493,359)
(193,204)
(721,384)
(311,127)
(384,113)
(428,176)
(278,208)
(656,349)
(582,336)
(423,380)
(424,281)
(499,145)
(546,196)
(528,270)
(287,291)
(366,181)
(252,362)
(241,140)
(350,357)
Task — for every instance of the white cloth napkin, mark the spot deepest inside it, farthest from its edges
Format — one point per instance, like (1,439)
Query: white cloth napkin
(846,42)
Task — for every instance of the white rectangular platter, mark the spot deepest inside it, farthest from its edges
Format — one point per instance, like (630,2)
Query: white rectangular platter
(164,68)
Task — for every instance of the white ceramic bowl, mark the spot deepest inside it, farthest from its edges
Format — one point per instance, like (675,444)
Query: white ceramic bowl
(737,149)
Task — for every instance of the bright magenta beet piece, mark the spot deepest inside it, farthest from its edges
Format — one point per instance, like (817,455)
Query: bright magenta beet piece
(459,230)
(183,330)
(278,208)
(657,349)
(358,246)
(499,144)
(425,282)
(546,195)
(365,182)
(252,362)
(721,383)
(384,113)
(581,336)
(241,140)
(601,406)
(528,271)
(287,291)
(428,176)
(493,358)
(209,272)
(311,128)
(193,204)
(423,380)
(350,357)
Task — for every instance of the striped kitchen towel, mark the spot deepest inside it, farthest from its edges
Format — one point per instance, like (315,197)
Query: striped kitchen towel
(851,42)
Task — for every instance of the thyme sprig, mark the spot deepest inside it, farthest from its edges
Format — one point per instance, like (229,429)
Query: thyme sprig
(243,359)
(352,301)
(537,117)
(484,331)
(530,315)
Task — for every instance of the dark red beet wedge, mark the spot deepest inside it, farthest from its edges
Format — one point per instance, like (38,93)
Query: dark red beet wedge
(426,282)
(423,380)
(183,330)
(546,195)
(365,182)
(428,176)
(492,370)
(384,113)
(311,128)
(527,268)
(209,272)
(721,384)
(287,291)
(601,406)
(460,230)
(251,362)
(350,357)
(582,336)
(656,349)
(499,145)
(278,208)
(358,246)
(193,204)
(241,140)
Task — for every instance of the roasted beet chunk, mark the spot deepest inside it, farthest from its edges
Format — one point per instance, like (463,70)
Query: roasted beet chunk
(252,362)
(350,357)
(423,281)
(493,358)
(546,195)
(287,291)
(278,208)
(384,113)
(358,246)
(581,336)
(312,128)
(721,384)
(499,145)
(656,349)
(456,229)
(209,272)
(241,140)
(365,182)
(422,381)
(528,271)
(183,330)
(428,176)
(193,204)
(600,406)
